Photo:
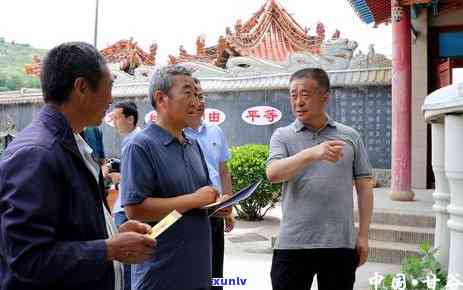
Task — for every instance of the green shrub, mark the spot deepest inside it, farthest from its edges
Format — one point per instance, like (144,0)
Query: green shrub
(417,269)
(247,165)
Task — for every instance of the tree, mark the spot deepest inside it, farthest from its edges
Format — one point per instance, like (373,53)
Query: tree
(14,82)
(247,165)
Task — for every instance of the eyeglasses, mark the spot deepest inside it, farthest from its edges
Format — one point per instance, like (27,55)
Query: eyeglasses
(201,97)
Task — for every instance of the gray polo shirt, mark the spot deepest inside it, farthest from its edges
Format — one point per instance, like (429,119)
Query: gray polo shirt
(155,164)
(317,203)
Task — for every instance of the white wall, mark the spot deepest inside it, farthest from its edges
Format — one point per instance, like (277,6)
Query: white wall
(419,92)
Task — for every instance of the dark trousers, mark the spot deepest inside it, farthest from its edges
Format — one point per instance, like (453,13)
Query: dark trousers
(119,219)
(217,249)
(295,269)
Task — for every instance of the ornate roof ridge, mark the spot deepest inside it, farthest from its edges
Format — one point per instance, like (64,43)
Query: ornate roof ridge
(125,52)
(128,44)
(274,18)
(271,33)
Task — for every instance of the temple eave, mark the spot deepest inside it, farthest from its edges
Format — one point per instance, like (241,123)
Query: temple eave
(271,33)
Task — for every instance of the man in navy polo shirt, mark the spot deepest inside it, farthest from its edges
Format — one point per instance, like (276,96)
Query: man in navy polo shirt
(163,170)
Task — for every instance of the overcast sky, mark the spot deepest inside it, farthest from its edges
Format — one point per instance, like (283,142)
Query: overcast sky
(46,23)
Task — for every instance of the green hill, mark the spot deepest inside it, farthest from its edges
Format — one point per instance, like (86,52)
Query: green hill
(13,57)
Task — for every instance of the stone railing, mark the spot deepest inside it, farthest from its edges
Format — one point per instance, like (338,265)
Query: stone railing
(443,109)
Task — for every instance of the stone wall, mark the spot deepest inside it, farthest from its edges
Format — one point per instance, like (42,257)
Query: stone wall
(366,108)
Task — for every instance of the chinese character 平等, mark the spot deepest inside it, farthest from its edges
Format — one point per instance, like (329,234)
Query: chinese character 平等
(253,114)
(271,115)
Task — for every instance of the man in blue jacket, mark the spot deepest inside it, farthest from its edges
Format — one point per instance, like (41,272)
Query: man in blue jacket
(55,227)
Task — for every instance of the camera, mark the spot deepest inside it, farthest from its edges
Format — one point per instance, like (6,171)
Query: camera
(114,165)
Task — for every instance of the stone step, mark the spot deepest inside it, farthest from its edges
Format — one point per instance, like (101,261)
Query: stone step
(400,218)
(391,252)
(401,234)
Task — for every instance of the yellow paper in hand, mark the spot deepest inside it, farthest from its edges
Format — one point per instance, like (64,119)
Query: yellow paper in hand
(164,224)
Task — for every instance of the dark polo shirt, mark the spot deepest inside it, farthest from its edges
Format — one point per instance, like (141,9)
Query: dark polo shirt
(156,164)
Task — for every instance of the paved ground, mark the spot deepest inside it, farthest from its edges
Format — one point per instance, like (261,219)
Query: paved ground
(248,253)
(422,204)
(252,259)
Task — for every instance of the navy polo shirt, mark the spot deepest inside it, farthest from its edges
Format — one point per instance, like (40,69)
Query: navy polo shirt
(155,164)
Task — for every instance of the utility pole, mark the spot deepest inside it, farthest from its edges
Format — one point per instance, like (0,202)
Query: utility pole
(96,25)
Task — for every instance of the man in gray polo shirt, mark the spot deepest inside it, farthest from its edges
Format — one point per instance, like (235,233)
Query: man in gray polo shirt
(317,159)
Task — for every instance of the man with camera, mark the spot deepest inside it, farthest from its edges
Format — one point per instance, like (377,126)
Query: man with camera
(125,118)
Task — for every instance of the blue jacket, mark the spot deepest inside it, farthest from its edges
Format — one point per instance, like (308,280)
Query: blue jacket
(94,138)
(52,225)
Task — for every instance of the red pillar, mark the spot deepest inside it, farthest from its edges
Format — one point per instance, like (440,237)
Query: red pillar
(401,103)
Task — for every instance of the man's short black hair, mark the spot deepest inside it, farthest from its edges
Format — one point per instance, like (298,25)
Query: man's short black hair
(64,64)
(316,74)
(128,109)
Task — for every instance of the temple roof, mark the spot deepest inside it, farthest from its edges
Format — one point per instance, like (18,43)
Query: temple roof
(124,48)
(271,34)
(379,11)
(125,52)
